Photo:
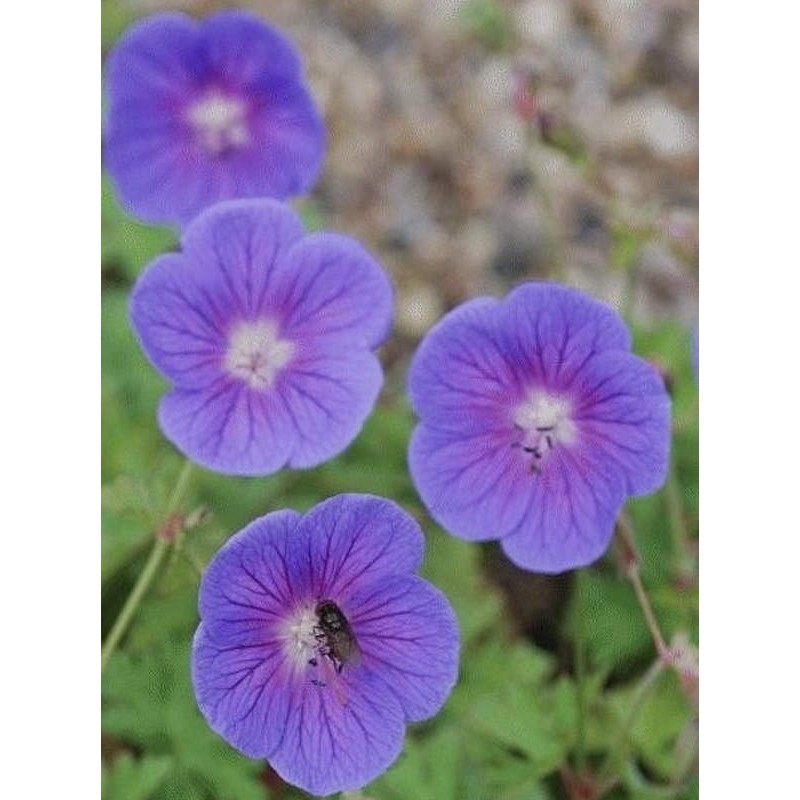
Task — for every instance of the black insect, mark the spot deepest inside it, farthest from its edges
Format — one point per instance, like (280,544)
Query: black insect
(338,643)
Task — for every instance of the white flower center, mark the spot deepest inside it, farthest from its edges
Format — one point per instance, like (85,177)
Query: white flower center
(299,635)
(219,122)
(544,421)
(256,354)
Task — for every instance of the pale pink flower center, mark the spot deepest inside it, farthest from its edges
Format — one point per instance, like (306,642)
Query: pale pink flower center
(220,122)
(256,353)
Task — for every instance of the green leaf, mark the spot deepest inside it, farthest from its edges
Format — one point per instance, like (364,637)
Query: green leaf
(312,215)
(453,565)
(428,769)
(511,716)
(148,701)
(132,445)
(123,537)
(664,714)
(615,631)
(165,616)
(131,779)
(128,246)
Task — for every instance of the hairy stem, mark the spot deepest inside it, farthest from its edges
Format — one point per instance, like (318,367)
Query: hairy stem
(619,751)
(580,676)
(631,556)
(678,526)
(154,561)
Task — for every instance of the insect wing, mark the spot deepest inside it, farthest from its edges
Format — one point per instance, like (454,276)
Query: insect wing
(332,679)
(347,649)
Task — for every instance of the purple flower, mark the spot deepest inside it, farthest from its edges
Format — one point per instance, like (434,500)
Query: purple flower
(206,111)
(537,421)
(267,336)
(318,642)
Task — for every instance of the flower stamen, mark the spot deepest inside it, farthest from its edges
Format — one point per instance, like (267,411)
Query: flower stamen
(544,421)
(299,636)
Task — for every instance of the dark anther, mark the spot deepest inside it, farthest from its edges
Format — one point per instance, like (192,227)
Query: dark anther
(549,442)
(545,428)
(312,661)
(317,682)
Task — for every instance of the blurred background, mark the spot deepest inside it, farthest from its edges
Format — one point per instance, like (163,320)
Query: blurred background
(472,145)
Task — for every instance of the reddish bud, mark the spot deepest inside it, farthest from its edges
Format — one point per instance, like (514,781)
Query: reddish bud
(172,527)
(525,98)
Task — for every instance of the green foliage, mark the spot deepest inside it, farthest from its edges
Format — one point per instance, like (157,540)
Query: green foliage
(127,246)
(428,769)
(116,16)
(148,701)
(311,214)
(489,22)
(131,779)
(626,244)
(514,720)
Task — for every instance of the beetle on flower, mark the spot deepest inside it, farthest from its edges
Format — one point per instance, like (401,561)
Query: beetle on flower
(207,111)
(267,335)
(536,423)
(264,672)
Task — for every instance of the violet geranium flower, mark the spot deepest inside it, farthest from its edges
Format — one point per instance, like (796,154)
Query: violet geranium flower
(267,335)
(537,422)
(206,111)
(317,641)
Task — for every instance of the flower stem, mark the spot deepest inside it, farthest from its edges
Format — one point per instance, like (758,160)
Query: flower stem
(180,487)
(580,677)
(680,531)
(619,751)
(160,548)
(631,557)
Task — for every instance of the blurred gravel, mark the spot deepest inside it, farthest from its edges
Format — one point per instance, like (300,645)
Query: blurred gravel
(431,165)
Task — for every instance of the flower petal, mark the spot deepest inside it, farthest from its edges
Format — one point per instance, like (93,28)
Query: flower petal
(315,409)
(477,486)
(240,46)
(351,540)
(329,285)
(249,584)
(326,394)
(288,144)
(339,736)
(228,428)
(408,636)
(179,326)
(460,379)
(550,331)
(154,50)
(161,68)
(235,246)
(572,508)
(148,149)
(244,692)
(626,417)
